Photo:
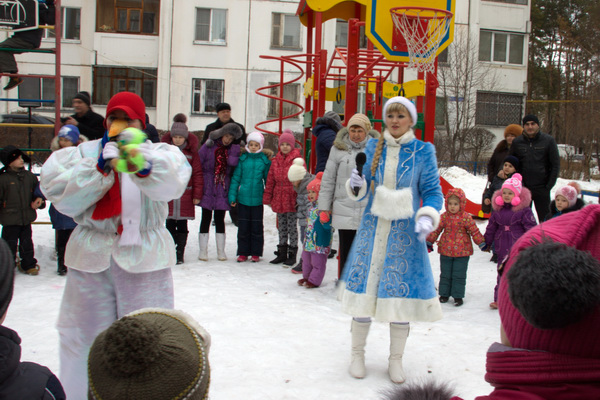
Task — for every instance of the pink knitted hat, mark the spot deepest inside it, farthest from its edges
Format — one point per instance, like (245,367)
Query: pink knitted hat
(287,137)
(515,184)
(569,193)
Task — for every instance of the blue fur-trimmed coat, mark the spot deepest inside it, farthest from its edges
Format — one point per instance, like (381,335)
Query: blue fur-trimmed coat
(387,273)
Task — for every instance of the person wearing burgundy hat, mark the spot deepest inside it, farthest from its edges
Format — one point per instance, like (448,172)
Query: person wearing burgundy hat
(120,253)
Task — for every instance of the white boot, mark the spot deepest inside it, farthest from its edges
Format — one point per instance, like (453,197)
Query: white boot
(203,244)
(359,330)
(398,335)
(221,247)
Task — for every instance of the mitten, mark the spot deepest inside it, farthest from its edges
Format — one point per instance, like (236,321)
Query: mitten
(429,247)
(356,181)
(110,151)
(423,227)
(483,246)
(324,217)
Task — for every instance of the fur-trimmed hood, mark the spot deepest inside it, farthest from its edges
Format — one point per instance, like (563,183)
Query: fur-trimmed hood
(525,200)
(342,139)
(55,146)
(326,123)
(462,198)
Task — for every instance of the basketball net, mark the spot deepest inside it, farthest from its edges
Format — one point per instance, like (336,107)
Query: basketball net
(423,30)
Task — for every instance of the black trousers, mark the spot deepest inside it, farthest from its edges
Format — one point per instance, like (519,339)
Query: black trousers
(21,236)
(346,239)
(62,238)
(251,238)
(207,217)
(541,198)
(175,226)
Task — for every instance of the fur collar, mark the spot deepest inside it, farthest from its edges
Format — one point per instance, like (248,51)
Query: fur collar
(343,142)
(525,200)
(55,146)
(407,137)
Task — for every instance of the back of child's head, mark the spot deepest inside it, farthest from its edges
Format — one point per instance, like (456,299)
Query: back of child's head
(179,128)
(257,137)
(69,132)
(569,192)
(297,170)
(514,184)
(287,137)
(512,160)
(315,184)
(7,277)
(150,354)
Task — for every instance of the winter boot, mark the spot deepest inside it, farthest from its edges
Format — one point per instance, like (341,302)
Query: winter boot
(359,330)
(291,257)
(203,244)
(298,268)
(220,237)
(60,261)
(398,335)
(282,250)
(180,242)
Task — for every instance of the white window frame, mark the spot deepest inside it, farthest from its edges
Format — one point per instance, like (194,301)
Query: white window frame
(211,40)
(48,36)
(341,30)
(63,104)
(201,93)
(288,109)
(278,20)
(508,44)
(489,112)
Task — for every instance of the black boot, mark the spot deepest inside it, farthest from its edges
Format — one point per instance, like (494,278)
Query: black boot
(282,250)
(298,268)
(60,261)
(291,258)
(180,241)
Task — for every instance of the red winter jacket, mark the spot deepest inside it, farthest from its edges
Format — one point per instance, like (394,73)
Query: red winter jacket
(279,191)
(457,230)
(183,208)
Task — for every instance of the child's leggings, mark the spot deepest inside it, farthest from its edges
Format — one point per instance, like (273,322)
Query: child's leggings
(20,236)
(177,226)
(453,276)
(287,225)
(313,267)
(207,217)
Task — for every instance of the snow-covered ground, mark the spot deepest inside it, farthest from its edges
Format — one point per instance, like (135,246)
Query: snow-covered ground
(275,340)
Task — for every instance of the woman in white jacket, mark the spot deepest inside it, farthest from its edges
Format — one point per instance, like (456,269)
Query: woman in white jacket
(333,198)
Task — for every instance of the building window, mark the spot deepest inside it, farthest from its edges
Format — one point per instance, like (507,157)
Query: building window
(290,92)
(128,16)
(211,25)
(341,35)
(71,23)
(206,94)
(109,81)
(498,109)
(285,31)
(70,87)
(523,2)
(501,47)
(440,111)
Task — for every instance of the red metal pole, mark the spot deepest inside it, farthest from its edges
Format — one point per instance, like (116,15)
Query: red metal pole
(430,96)
(57,61)
(351,104)
(309,74)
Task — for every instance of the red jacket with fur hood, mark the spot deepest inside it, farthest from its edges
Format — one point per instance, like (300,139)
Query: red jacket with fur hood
(279,191)
(457,229)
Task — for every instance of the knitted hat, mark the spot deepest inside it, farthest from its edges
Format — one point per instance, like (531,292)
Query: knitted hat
(10,153)
(512,160)
(255,137)
(361,120)
(568,192)
(223,106)
(550,303)
(412,110)
(150,354)
(514,130)
(85,97)
(529,118)
(130,103)
(230,128)
(179,128)
(7,276)
(70,132)
(315,184)
(287,137)
(297,170)
(515,184)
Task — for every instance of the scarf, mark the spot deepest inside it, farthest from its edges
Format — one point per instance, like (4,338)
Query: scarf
(221,154)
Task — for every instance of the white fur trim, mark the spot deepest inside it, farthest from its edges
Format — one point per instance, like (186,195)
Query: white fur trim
(393,204)
(361,193)
(391,141)
(429,212)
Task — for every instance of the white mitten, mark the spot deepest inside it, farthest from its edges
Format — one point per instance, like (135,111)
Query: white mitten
(356,181)
(110,151)
(424,227)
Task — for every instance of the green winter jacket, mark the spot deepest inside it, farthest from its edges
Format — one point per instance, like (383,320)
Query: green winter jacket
(248,181)
(16,195)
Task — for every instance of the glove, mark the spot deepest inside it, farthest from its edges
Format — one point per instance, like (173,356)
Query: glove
(324,217)
(110,151)
(482,246)
(429,247)
(355,179)
(423,227)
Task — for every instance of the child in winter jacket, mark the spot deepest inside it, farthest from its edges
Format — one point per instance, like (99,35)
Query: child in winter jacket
(246,191)
(511,164)
(455,246)
(184,208)
(18,203)
(512,217)
(300,178)
(280,195)
(565,201)
(317,240)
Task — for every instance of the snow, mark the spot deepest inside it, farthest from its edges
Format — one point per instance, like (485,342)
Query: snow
(275,340)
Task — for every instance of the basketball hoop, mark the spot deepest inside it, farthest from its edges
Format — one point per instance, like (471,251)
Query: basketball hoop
(423,30)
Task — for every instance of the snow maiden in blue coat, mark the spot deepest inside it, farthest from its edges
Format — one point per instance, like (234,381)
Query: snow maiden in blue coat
(387,274)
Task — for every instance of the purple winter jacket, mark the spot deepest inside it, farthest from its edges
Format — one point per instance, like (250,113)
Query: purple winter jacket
(216,197)
(508,223)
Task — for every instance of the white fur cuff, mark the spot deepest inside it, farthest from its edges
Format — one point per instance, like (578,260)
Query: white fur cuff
(393,204)
(431,213)
(361,193)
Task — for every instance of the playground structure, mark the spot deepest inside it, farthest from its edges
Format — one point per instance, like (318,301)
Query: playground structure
(401,34)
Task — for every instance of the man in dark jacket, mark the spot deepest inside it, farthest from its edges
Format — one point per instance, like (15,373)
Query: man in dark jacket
(539,163)
(29,39)
(326,129)
(89,123)
(19,380)
(223,117)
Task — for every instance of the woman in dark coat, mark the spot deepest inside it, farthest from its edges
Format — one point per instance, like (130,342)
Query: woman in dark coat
(501,151)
